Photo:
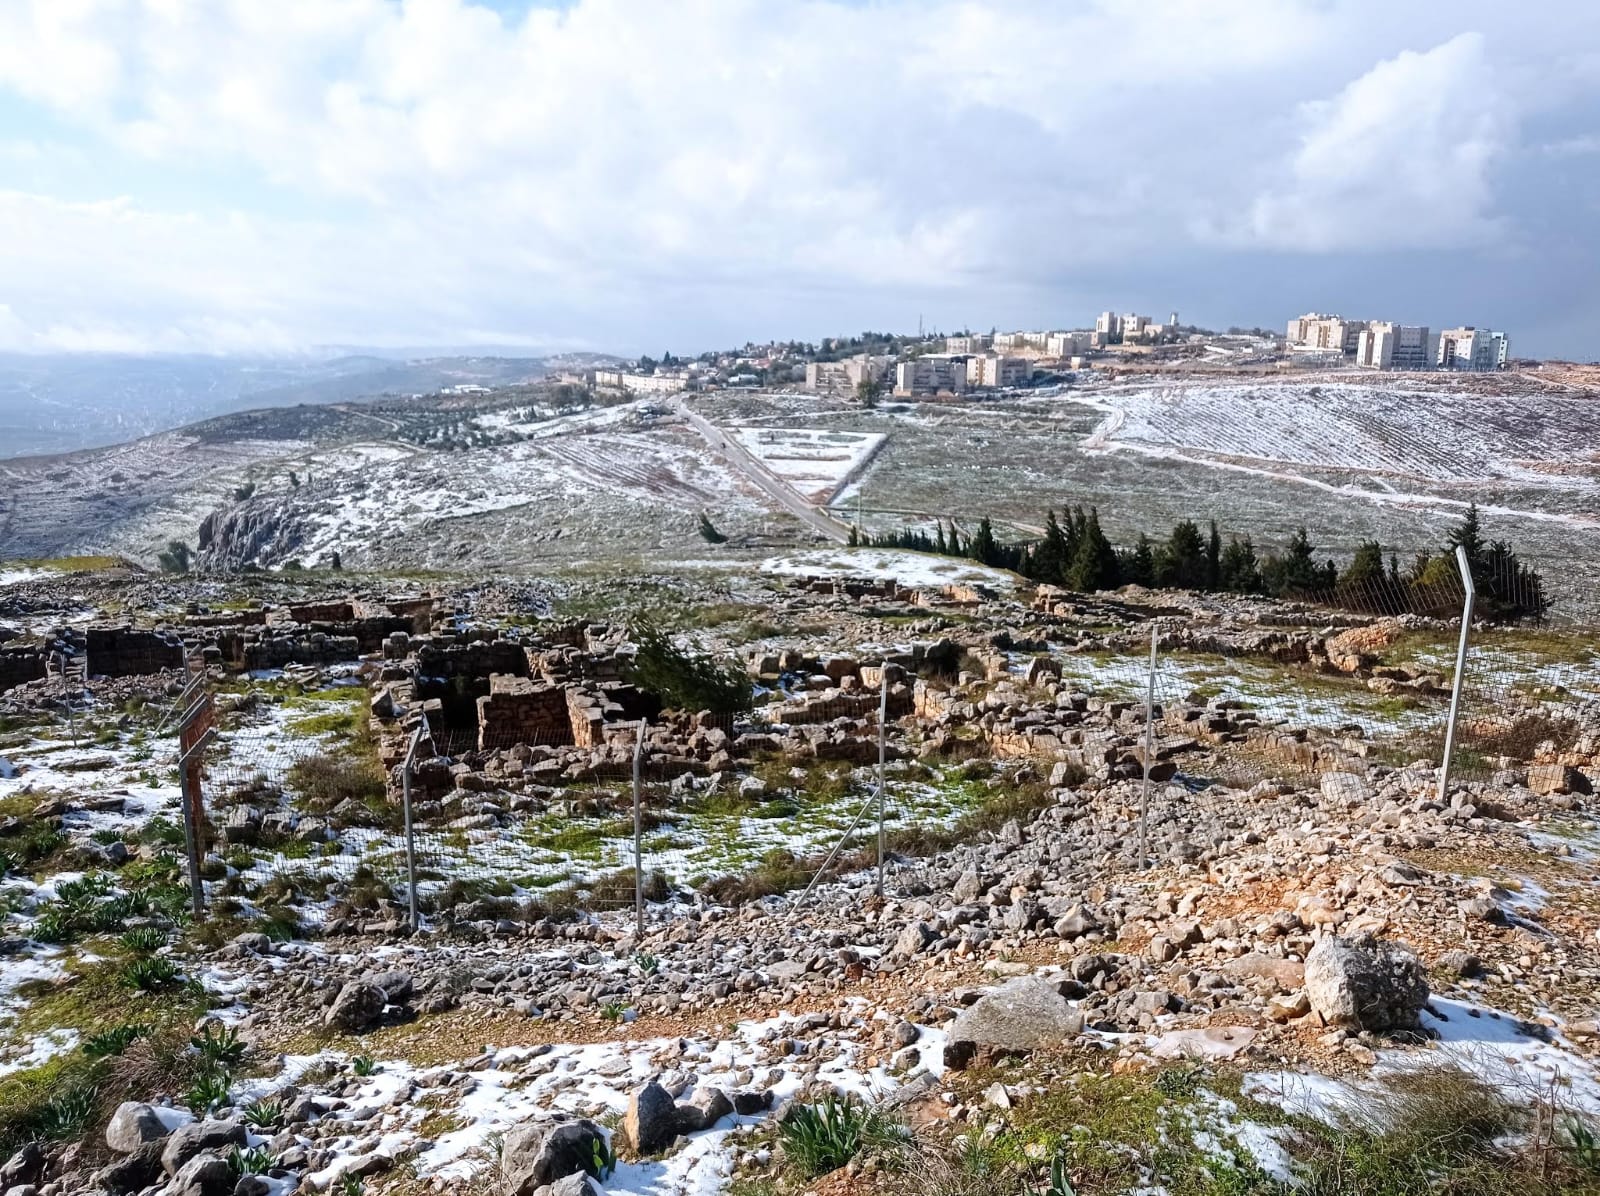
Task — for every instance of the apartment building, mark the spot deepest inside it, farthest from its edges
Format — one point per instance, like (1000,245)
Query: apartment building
(967,344)
(1471,348)
(1318,333)
(994,370)
(1383,345)
(841,378)
(1068,344)
(936,374)
(644,384)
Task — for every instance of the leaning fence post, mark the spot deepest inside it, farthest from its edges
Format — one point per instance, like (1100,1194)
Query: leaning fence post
(638,836)
(1465,566)
(411,834)
(195,732)
(883,746)
(1149,747)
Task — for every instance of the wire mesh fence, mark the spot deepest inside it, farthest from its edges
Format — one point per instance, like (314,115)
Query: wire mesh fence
(433,815)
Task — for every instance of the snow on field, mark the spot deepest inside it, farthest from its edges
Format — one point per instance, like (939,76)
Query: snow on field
(387,498)
(1424,437)
(816,462)
(907,568)
(16,576)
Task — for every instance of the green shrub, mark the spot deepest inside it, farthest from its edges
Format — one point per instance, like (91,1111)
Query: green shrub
(211,1089)
(144,939)
(824,1136)
(220,1047)
(264,1114)
(150,974)
(686,680)
(115,1040)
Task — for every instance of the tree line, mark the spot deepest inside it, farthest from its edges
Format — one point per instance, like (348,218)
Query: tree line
(1075,552)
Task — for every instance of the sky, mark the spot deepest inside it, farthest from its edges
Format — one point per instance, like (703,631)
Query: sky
(650,175)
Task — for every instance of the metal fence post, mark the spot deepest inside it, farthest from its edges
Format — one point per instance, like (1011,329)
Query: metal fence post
(66,697)
(883,747)
(1465,566)
(638,835)
(411,834)
(195,731)
(1149,748)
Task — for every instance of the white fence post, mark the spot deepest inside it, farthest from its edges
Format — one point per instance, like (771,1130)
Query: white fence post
(1149,747)
(1465,566)
(638,835)
(411,833)
(883,740)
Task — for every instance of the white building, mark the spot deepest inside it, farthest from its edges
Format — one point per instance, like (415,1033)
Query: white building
(1383,345)
(1318,333)
(993,370)
(842,377)
(644,384)
(966,344)
(935,374)
(1068,344)
(1472,349)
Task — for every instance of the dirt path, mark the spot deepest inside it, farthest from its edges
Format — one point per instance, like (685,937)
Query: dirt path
(776,488)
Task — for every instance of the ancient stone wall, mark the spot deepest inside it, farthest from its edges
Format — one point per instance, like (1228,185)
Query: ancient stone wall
(519,710)
(19,665)
(126,652)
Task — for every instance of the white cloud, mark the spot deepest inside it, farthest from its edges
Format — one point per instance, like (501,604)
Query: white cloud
(609,167)
(1401,158)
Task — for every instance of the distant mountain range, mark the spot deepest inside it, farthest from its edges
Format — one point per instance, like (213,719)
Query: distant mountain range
(57,403)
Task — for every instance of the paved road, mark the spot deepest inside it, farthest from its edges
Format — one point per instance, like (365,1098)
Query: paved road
(785,495)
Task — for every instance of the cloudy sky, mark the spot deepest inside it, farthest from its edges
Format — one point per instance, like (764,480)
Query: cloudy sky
(641,175)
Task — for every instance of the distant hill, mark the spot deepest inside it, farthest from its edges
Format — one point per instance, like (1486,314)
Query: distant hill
(63,402)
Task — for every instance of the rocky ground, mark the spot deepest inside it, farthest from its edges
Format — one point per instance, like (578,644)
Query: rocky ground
(1226,986)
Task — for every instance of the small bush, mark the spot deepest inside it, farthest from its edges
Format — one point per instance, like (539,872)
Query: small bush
(254,1160)
(263,1114)
(364,1065)
(220,1047)
(144,939)
(211,1089)
(149,974)
(822,1137)
(115,1040)
(686,680)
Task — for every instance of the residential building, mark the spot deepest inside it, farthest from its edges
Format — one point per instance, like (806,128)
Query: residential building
(1108,328)
(993,370)
(1383,345)
(842,377)
(644,384)
(1318,333)
(966,344)
(1068,344)
(1472,348)
(935,374)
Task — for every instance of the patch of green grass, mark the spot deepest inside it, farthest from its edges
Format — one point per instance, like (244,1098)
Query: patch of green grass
(823,1136)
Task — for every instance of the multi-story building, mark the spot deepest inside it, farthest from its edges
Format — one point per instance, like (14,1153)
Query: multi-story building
(645,384)
(842,377)
(993,369)
(1068,344)
(935,374)
(1317,333)
(1383,345)
(1472,349)
(1108,328)
(966,344)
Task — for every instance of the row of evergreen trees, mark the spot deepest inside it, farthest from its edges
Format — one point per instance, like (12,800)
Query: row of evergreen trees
(1076,553)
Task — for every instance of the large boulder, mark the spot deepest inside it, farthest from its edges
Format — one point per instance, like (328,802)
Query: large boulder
(358,1007)
(190,1140)
(203,1175)
(1022,1015)
(651,1123)
(1364,983)
(132,1126)
(537,1154)
(702,1110)
(24,1168)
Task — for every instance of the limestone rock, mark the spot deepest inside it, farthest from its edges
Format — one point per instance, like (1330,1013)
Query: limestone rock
(650,1124)
(133,1125)
(1363,983)
(537,1154)
(358,1006)
(1022,1015)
